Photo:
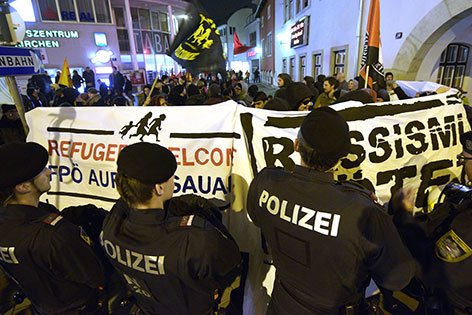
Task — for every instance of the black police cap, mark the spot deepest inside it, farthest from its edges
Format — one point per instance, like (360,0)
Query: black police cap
(326,131)
(20,162)
(147,162)
(466,140)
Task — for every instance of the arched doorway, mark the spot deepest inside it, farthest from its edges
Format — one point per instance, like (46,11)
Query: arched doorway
(419,56)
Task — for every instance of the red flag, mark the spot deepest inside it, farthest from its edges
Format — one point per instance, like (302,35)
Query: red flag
(371,64)
(239,48)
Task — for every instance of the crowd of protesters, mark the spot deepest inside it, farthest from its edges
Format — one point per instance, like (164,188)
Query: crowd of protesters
(205,89)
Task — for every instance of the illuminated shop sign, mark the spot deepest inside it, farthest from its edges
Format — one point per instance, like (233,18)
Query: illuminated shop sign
(72,16)
(251,53)
(299,32)
(40,43)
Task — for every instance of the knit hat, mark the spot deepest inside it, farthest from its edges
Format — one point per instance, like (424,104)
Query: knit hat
(327,132)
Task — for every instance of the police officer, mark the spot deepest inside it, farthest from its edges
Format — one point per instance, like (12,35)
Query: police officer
(49,257)
(327,238)
(441,240)
(172,264)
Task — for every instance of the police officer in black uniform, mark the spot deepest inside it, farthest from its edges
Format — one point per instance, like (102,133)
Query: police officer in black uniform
(441,241)
(49,257)
(172,264)
(327,238)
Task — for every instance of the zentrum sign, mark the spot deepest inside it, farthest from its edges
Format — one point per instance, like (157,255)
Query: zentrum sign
(34,43)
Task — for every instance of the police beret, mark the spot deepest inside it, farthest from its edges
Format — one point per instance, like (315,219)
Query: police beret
(20,162)
(147,162)
(327,132)
(466,140)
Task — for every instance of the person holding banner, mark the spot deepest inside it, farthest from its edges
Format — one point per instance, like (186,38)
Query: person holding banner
(50,258)
(173,259)
(327,238)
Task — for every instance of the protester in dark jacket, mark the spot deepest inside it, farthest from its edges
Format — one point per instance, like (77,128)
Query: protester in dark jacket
(77,80)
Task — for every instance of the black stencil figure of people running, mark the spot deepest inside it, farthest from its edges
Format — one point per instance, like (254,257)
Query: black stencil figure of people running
(143,127)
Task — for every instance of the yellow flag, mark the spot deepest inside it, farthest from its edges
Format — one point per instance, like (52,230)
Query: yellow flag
(65,79)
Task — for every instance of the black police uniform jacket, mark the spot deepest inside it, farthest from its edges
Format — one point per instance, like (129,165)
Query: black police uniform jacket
(441,241)
(327,240)
(170,263)
(50,258)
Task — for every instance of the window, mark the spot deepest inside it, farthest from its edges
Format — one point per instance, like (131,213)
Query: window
(67,9)
(269,44)
(316,65)
(164,22)
(268,12)
(155,21)
(290,9)
(306,3)
(299,5)
(138,42)
(302,67)
(135,18)
(85,10)
(286,11)
(339,61)
(292,66)
(262,20)
(102,11)
(452,65)
(119,17)
(284,65)
(144,19)
(48,10)
(253,39)
(123,40)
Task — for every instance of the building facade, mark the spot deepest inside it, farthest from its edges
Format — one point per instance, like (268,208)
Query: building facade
(266,13)
(95,33)
(422,40)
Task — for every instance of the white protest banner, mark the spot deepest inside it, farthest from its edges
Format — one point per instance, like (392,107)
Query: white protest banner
(84,143)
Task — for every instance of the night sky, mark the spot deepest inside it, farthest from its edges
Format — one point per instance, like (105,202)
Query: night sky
(221,10)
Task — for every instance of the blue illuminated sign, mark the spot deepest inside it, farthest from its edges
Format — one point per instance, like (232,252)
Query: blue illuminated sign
(100,39)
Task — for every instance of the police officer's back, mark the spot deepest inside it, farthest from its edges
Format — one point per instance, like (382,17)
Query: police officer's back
(49,257)
(327,239)
(172,264)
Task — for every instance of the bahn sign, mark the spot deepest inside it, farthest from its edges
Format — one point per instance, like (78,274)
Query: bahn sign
(19,61)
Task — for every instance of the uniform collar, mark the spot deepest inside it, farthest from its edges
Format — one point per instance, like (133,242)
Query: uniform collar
(147,217)
(314,174)
(22,212)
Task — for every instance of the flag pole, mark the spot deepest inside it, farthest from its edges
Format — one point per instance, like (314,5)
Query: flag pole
(148,98)
(366,77)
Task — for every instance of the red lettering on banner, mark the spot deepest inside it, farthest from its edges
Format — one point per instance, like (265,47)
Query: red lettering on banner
(64,148)
(184,158)
(52,146)
(229,156)
(74,148)
(110,152)
(212,155)
(197,156)
(101,154)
